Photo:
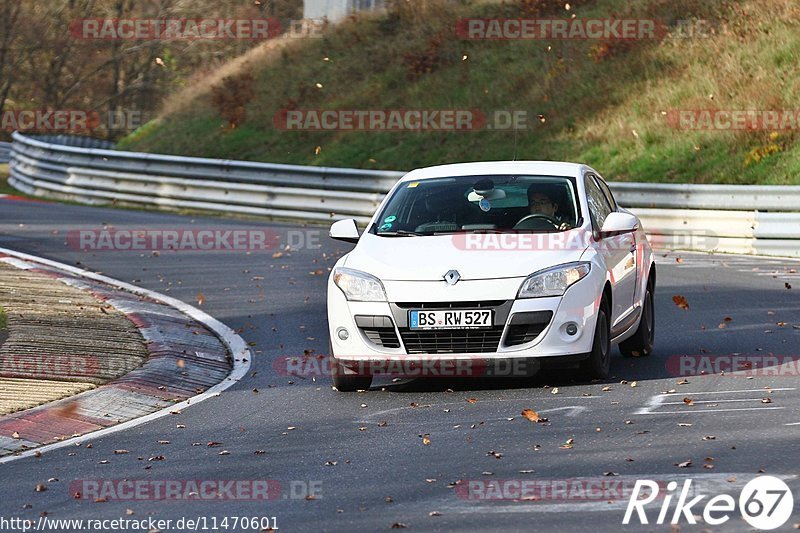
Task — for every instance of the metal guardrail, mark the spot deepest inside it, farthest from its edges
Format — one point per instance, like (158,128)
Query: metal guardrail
(728,218)
(5,152)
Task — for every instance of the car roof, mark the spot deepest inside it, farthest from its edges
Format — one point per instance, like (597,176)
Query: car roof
(545,168)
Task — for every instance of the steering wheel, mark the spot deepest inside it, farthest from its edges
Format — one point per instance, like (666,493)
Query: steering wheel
(535,217)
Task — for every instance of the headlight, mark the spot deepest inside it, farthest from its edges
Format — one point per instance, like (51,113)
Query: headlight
(553,281)
(359,286)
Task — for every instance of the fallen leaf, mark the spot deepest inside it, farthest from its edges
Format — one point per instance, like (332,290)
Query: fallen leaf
(472,400)
(15,435)
(399,525)
(633,383)
(766,400)
(709,437)
(787,285)
(606,388)
(681,302)
(683,382)
(200,298)
(533,416)
(426,439)
(685,464)
(434,513)
(554,390)
(688,401)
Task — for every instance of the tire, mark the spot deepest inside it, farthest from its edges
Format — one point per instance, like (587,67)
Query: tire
(598,364)
(641,343)
(348,382)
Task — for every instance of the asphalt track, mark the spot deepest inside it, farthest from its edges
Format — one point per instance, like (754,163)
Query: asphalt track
(404,453)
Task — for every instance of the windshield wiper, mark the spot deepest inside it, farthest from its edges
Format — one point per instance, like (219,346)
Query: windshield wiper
(401,233)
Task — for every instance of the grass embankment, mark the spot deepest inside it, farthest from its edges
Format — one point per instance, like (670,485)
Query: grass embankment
(5,188)
(603,103)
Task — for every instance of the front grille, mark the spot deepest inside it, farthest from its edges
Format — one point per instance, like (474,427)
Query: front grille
(452,340)
(385,337)
(450,305)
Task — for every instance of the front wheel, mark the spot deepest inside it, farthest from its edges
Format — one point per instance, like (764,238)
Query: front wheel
(598,364)
(347,380)
(641,343)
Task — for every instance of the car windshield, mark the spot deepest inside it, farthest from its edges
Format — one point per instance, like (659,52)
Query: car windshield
(480,204)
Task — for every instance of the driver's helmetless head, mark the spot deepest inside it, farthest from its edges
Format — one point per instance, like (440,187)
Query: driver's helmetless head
(541,204)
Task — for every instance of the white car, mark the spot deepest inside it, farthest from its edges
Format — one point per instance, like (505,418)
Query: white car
(499,261)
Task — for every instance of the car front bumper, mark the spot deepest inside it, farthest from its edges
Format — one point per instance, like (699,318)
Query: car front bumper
(378,331)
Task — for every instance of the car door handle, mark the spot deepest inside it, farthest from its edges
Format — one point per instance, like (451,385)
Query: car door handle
(633,247)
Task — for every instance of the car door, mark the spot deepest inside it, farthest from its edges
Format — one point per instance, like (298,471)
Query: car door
(618,251)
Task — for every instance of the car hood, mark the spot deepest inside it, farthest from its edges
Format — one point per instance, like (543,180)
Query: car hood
(476,257)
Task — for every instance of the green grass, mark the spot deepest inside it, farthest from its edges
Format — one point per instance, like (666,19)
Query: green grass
(604,110)
(3,319)
(5,188)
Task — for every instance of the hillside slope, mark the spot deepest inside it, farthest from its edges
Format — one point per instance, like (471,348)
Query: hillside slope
(610,103)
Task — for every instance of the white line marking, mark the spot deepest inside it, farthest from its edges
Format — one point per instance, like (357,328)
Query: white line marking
(716,401)
(792,424)
(236,345)
(576,409)
(658,400)
(725,391)
(695,411)
(654,403)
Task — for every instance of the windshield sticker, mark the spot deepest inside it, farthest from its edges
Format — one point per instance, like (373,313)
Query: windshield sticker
(385,227)
(412,184)
(484,205)
(390,219)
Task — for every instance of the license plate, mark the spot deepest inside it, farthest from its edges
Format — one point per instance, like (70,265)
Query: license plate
(451,319)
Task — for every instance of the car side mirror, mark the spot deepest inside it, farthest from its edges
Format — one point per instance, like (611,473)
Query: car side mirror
(617,222)
(344,230)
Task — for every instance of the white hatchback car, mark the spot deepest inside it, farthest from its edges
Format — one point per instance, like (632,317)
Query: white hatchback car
(522,261)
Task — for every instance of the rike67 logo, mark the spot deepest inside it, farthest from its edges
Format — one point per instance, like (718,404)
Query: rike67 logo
(765,503)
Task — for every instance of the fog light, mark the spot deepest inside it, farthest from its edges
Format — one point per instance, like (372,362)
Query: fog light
(343,334)
(571,329)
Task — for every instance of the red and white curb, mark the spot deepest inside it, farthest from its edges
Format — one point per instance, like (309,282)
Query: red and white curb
(137,310)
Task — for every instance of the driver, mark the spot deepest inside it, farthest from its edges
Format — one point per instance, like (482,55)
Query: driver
(540,203)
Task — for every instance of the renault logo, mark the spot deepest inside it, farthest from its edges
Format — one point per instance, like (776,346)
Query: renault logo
(452,277)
